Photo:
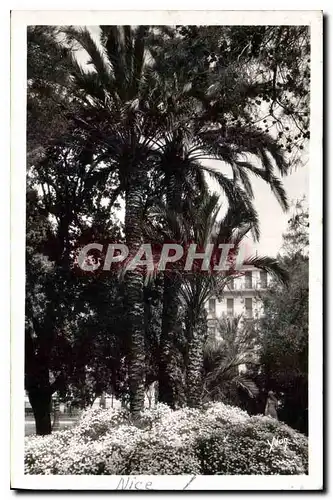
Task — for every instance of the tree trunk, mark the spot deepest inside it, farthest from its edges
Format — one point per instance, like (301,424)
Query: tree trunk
(166,390)
(40,400)
(197,335)
(56,414)
(133,284)
(38,344)
(102,401)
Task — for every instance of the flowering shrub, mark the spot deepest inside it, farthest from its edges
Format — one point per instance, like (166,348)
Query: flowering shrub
(217,439)
(96,422)
(260,445)
(162,457)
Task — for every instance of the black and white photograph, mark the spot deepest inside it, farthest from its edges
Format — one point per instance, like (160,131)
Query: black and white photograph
(167,234)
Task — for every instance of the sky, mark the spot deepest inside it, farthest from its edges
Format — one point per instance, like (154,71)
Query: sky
(273,221)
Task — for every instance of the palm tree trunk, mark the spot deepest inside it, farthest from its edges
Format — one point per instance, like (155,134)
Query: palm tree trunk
(166,392)
(197,335)
(166,389)
(133,284)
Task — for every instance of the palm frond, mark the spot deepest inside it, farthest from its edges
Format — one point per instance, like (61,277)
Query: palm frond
(271,266)
(273,181)
(237,197)
(138,56)
(248,385)
(97,58)
(113,41)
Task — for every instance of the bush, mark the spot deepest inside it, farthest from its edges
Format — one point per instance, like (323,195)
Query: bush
(217,439)
(259,446)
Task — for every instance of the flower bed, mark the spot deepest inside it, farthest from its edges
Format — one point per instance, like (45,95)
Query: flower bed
(217,439)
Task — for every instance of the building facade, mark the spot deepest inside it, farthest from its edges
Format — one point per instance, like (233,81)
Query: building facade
(240,297)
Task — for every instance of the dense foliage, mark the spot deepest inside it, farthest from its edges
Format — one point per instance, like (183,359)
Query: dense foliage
(217,439)
(284,328)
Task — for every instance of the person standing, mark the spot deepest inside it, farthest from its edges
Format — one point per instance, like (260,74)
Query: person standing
(271,406)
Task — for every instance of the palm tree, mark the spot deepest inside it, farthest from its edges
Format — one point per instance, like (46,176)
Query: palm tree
(113,99)
(190,137)
(223,356)
(179,168)
(200,224)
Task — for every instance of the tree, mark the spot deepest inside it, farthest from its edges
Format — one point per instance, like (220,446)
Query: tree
(221,126)
(167,104)
(56,295)
(252,75)
(202,226)
(125,64)
(198,287)
(115,98)
(47,73)
(44,318)
(56,201)
(284,328)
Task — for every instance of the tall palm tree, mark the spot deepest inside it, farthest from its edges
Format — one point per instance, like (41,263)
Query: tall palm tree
(113,102)
(192,136)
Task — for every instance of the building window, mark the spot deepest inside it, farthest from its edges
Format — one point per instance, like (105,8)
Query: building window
(263,279)
(248,307)
(230,308)
(232,284)
(248,280)
(212,306)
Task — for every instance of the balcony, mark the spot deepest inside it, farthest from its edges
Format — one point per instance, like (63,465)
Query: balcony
(245,287)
